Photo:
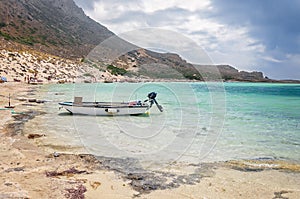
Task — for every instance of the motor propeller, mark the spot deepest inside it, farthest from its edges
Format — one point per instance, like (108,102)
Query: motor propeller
(152,100)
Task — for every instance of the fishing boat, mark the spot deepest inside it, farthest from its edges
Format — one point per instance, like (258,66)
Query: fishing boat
(111,108)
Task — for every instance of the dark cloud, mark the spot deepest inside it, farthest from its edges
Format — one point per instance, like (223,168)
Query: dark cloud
(274,22)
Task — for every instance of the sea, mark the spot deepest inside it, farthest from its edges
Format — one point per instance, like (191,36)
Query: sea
(201,122)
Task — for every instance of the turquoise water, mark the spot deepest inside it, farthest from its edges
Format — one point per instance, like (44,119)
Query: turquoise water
(201,122)
(262,120)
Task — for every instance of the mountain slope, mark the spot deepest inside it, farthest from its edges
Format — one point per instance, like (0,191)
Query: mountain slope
(55,26)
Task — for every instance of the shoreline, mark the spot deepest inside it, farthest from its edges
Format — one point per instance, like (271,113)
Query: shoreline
(30,171)
(40,68)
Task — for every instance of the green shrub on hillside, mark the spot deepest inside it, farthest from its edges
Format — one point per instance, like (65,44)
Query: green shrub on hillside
(88,75)
(115,70)
(2,24)
(6,36)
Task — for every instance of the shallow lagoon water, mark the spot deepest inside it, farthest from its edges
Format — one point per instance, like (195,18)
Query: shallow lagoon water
(201,122)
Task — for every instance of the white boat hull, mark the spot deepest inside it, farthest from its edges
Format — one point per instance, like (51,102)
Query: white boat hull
(105,110)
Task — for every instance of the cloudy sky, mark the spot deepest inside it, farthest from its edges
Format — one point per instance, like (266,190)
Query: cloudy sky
(250,35)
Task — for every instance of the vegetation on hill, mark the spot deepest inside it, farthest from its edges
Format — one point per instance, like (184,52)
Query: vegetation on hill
(115,70)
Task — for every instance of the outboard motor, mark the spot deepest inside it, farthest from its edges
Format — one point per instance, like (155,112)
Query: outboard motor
(152,100)
(152,95)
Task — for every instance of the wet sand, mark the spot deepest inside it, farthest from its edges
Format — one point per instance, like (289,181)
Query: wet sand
(30,171)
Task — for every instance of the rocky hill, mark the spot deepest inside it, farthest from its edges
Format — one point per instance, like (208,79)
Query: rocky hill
(60,28)
(146,63)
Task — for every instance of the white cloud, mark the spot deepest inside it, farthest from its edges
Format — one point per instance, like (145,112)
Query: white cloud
(191,5)
(272,59)
(141,14)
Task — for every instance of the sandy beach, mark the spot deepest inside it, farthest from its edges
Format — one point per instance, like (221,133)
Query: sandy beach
(30,171)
